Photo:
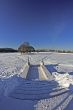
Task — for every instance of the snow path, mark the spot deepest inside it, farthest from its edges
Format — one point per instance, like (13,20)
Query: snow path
(33,73)
(36,93)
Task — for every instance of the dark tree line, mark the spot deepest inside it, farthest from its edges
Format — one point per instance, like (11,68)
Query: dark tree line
(23,48)
(6,50)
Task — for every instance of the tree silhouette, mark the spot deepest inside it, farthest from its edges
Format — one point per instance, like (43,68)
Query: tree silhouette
(25,48)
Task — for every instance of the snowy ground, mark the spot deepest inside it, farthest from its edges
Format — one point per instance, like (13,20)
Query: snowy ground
(17,93)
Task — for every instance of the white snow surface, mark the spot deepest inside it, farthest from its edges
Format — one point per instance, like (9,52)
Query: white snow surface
(17,93)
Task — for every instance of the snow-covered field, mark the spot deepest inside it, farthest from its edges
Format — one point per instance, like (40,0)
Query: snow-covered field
(17,93)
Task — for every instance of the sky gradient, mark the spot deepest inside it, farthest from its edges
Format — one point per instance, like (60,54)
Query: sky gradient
(42,23)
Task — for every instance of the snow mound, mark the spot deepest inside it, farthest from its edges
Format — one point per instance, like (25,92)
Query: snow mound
(64,80)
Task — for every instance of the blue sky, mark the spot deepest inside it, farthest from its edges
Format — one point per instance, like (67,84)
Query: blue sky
(42,23)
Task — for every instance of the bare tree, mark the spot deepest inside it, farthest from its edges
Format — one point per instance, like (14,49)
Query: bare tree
(25,47)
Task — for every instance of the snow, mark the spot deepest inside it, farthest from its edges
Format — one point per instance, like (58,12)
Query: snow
(23,87)
(64,79)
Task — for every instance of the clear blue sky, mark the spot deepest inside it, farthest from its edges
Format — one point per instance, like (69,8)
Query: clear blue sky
(42,23)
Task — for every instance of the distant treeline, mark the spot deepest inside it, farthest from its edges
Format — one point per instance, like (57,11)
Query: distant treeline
(53,50)
(61,51)
(7,50)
